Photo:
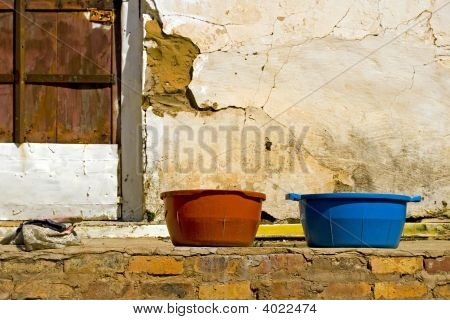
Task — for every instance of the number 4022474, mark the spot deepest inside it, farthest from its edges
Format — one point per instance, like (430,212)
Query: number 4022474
(289,308)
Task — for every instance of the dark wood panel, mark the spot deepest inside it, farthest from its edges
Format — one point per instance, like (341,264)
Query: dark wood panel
(69,4)
(6,113)
(89,52)
(60,46)
(67,78)
(6,42)
(41,43)
(39,119)
(115,104)
(19,70)
(84,114)
(6,78)
(6,4)
(6,69)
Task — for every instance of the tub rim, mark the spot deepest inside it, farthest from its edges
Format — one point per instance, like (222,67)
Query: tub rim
(353,195)
(190,192)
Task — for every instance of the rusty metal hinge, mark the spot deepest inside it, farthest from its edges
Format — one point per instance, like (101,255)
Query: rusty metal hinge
(101,16)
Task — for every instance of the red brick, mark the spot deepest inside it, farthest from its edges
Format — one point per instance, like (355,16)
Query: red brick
(348,290)
(438,265)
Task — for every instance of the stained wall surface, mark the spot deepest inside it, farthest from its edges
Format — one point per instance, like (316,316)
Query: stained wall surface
(298,96)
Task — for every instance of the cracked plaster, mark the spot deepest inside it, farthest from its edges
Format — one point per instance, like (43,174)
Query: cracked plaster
(368,79)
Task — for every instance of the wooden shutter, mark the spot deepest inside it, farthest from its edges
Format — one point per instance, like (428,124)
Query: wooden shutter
(6,70)
(62,55)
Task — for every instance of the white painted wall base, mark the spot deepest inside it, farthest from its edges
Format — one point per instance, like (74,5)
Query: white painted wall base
(101,230)
(127,230)
(58,180)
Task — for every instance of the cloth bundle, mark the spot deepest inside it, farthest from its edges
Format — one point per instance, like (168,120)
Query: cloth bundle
(43,234)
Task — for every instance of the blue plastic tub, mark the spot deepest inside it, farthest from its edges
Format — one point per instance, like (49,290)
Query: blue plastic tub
(370,220)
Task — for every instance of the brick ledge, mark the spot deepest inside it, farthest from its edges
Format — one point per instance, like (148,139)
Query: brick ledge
(154,269)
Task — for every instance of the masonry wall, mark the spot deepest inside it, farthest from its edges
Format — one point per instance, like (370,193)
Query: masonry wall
(304,96)
(145,269)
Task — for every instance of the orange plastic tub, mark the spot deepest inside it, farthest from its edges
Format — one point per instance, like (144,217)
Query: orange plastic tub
(212,217)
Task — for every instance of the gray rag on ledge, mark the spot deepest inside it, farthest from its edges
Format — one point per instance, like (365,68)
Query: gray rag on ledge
(35,237)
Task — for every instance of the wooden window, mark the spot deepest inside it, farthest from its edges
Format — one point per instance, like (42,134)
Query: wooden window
(58,71)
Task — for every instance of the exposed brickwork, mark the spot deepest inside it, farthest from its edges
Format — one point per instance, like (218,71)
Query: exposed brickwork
(31,266)
(105,288)
(42,289)
(6,287)
(400,290)
(348,290)
(165,272)
(403,265)
(284,289)
(234,290)
(338,263)
(277,265)
(442,292)
(441,265)
(217,268)
(156,265)
(176,289)
(96,263)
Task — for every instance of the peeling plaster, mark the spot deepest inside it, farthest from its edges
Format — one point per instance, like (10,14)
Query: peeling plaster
(368,79)
(169,59)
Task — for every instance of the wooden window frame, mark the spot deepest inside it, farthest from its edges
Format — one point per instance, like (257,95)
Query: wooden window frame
(129,134)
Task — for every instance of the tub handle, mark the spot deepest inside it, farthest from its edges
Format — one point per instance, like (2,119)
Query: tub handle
(294,196)
(415,199)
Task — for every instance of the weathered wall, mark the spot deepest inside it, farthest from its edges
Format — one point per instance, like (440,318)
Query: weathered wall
(58,180)
(361,86)
(151,269)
